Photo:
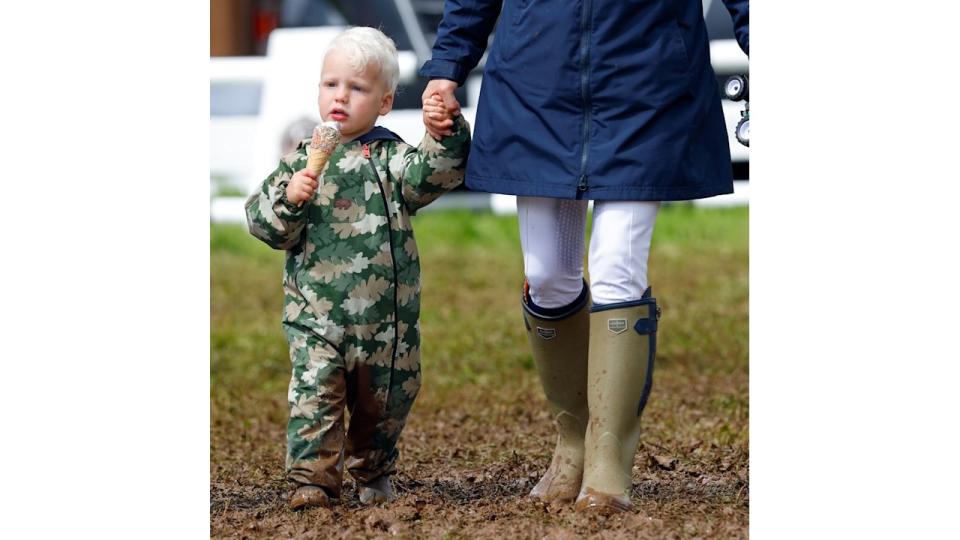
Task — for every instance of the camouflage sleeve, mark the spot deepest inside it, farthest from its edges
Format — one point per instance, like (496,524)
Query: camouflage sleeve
(435,167)
(270,216)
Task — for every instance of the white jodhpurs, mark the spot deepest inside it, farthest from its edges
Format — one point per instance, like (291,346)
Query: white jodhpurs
(552,236)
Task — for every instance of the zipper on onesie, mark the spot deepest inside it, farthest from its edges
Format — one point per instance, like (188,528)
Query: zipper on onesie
(396,275)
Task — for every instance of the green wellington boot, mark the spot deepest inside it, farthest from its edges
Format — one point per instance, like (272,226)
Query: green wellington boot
(620,374)
(558,339)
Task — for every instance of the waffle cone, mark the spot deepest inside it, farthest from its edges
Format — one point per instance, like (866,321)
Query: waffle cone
(326,137)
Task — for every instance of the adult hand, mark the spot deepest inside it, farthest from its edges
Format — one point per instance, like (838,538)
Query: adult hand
(438,126)
(302,186)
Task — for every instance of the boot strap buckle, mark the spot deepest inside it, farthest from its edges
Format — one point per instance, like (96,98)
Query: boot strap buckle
(646,326)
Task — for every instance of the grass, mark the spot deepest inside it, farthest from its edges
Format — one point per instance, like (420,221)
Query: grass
(222,186)
(480,405)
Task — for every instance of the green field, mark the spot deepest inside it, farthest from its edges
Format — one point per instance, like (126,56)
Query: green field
(479,434)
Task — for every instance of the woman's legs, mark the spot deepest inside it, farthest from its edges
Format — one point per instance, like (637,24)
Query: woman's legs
(622,344)
(619,249)
(552,238)
(616,331)
(556,314)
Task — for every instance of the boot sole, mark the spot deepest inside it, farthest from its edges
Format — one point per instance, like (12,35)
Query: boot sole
(312,500)
(602,503)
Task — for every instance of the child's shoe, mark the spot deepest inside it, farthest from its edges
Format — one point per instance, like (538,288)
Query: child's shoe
(378,491)
(308,497)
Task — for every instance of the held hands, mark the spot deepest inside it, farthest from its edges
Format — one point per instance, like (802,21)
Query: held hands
(435,115)
(302,187)
(440,107)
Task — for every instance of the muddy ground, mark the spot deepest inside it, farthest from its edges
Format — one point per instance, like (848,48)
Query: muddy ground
(465,471)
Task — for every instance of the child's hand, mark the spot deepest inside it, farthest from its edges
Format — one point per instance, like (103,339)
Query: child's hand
(302,186)
(436,116)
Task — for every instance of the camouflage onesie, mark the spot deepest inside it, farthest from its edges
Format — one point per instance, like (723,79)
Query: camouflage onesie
(352,296)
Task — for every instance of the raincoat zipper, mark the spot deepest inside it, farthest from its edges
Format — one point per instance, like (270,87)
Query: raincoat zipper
(586,20)
(396,275)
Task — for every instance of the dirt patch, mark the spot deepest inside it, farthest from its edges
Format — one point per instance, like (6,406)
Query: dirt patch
(466,474)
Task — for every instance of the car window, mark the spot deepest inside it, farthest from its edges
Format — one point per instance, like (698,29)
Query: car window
(380,14)
(235,98)
(298,13)
(719,22)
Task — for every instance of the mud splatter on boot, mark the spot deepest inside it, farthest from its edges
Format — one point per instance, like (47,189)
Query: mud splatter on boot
(309,497)
(378,491)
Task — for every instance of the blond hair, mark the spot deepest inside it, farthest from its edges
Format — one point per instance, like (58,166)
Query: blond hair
(365,46)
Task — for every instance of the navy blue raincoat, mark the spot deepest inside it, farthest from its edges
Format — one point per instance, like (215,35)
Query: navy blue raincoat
(596,99)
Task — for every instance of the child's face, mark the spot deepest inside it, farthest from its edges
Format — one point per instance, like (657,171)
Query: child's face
(351,98)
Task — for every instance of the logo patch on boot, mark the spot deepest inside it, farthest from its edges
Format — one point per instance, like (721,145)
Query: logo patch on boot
(617,326)
(547,333)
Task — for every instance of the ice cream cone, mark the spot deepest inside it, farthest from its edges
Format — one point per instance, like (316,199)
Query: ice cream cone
(326,137)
